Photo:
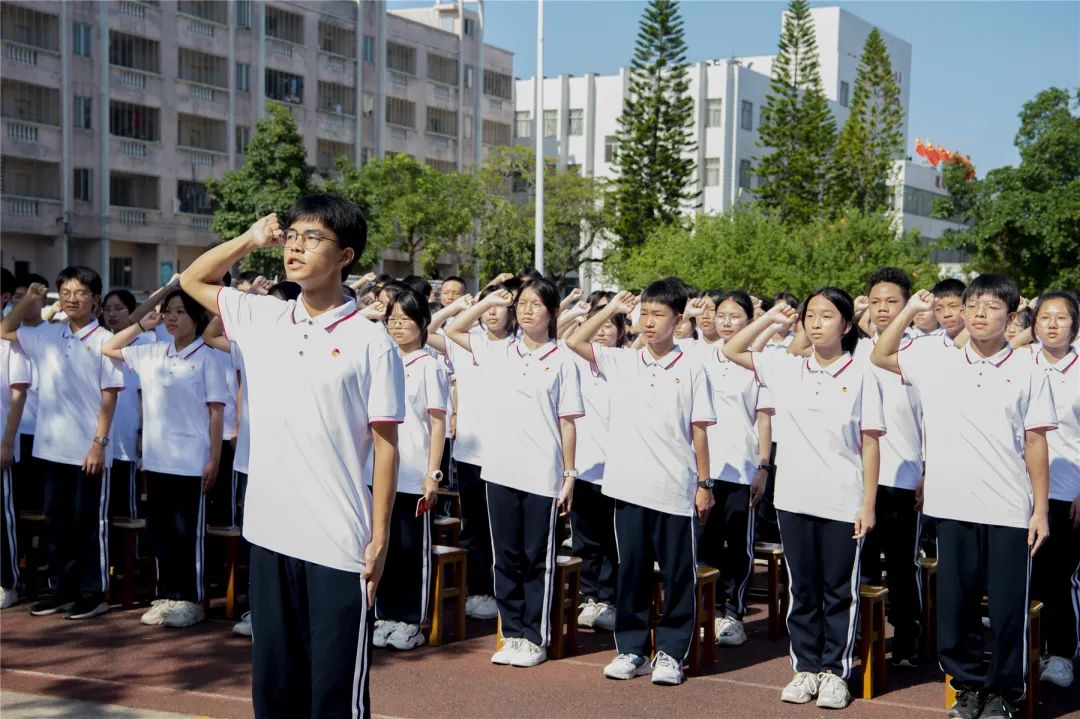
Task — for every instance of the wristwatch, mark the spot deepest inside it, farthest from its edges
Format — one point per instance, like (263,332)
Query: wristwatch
(570,474)
(767,467)
(706,483)
(436,476)
(103,441)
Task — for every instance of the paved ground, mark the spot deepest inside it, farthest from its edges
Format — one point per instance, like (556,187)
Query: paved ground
(16,705)
(204,670)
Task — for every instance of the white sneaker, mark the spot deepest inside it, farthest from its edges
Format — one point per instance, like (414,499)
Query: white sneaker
(666,669)
(405,637)
(159,609)
(605,618)
(243,627)
(383,629)
(8,597)
(627,666)
(833,692)
(184,614)
(730,632)
(481,606)
(587,616)
(507,653)
(1057,671)
(528,654)
(801,689)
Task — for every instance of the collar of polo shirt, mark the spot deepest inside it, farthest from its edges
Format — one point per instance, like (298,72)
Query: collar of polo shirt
(415,356)
(327,320)
(191,349)
(997,359)
(83,333)
(1062,365)
(834,369)
(666,362)
(545,350)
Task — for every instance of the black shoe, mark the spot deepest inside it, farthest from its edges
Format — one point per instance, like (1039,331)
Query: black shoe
(52,605)
(998,707)
(87,608)
(905,661)
(968,704)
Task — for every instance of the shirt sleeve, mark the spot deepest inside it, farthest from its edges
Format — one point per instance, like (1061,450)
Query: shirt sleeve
(242,313)
(483,350)
(33,339)
(571,404)
(871,409)
(765,401)
(701,409)
(608,360)
(19,372)
(1040,412)
(136,356)
(214,369)
(768,363)
(386,399)
(112,373)
(917,359)
(437,387)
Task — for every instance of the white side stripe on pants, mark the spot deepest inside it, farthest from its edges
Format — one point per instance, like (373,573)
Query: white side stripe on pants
(693,570)
(9,517)
(200,539)
(1076,606)
(1027,618)
(549,576)
(360,671)
(853,612)
(425,570)
(103,529)
(751,529)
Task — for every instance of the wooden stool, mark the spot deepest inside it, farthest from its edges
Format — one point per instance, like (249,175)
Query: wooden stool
(446,531)
(564,607)
(928,638)
(449,495)
(231,534)
(703,644)
(872,641)
(130,529)
(776,594)
(30,530)
(449,587)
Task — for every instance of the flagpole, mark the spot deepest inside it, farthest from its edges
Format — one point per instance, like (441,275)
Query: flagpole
(538,125)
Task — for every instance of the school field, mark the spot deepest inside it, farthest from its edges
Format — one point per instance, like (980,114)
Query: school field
(116,667)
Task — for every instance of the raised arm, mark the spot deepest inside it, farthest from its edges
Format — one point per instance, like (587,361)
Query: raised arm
(155,299)
(113,348)
(570,299)
(737,349)
(10,326)
(444,315)
(214,335)
(886,351)
(200,279)
(458,331)
(568,318)
(580,341)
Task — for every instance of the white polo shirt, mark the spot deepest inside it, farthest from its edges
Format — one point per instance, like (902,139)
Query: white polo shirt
(916,333)
(975,412)
(71,374)
(28,425)
(232,388)
(529,391)
(737,398)
(901,449)
(592,429)
(243,431)
(176,389)
(427,390)
(654,403)
(127,418)
(314,385)
(473,400)
(1064,443)
(825,411)
(14,372)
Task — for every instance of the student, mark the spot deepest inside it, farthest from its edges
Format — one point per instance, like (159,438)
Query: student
(419,285)
(28,487)
(1022,322)
(1055,578)
(402,604)
(782,338)
(949,308)
(535,394)
(986,410)
(706,323)
(925,323)
(452,288)
(14,382)
(657,472)
(898,529)
(831,408)
(245,279)
(325,391)
(183,396)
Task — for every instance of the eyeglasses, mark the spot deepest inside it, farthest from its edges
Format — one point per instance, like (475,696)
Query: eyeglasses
(311,239)
(80,295)
(398,321)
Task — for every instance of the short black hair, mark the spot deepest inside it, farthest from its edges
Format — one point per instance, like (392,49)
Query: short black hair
(948,287)
(845,305)
(1000,286)
(348,291)
(789,299)
(1072,306)
(30,278)
(285,290)
(419,284)
(248,276)
(384,278)
(415,306)
(511,318)
(126,299)
(670,292)
(620,320)
(893,275)
(1024,318)
(713,295)
(366,288)
(597,295)
(455,278)
(531,273)
(195,311)
(742,299)
(393,287)
(549,295)
(7,281)
(82,274)
(338,214)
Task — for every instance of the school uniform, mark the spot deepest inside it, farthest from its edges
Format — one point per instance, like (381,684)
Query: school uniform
(403,590)
(651,473)
(29,489)
(916,333)
(72,373)
(14,372)
(531,390)
(221,499)
(313,386)
(177,388)
(1055,578)
(727,540)
(243,435)
(592,515)
(826,410)
(976,410)
(898,527)
(126,428)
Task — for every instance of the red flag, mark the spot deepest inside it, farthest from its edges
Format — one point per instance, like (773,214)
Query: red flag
(933,156)
(920,148)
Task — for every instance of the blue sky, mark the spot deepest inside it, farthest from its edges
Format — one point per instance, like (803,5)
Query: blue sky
(974,64)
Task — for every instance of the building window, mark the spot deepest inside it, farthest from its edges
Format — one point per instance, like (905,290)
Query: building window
(495,104)
(83,113)
(368,108)
(29,27)
(498,84)
(203,68)
(138,53)
(80,43)
(522,124)
(551,123)
(284,86)
(83,180)
(243,13)
(576,123)
(192,197)
(899,78)
(284,25)
(469,72)
(369,48)
(442,68)
(135,121)
(845,89)
(120,271)
(712,172)
(337,98)
(442,122)
(470,26)
(399,133)
(201,132)
(714,113)
(400,112)
(611,148)
(440,92)
(243,77)
(495,133)
(401,58)
(243,138)
(745,174)
(746,117)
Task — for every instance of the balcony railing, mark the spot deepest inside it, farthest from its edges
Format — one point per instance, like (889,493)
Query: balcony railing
(202,92)
(136,80)
(200,28)
(22,131)
(133,9)
(132,217)
(21,53)
(21,206)
(279,48)
(201,223)
(133,148)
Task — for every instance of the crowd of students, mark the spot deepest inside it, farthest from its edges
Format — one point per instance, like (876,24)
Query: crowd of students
(672,426)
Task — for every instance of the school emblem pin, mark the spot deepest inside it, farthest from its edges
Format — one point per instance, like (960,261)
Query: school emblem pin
(335,352)
(676,380)
(843,389)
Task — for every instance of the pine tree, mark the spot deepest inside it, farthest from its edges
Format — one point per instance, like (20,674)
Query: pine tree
(872,139)
(654,144)
(797,125)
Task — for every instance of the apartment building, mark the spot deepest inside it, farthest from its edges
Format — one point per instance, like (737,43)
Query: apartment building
(116,113)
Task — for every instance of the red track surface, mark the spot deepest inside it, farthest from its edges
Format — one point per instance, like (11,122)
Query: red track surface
(205,670)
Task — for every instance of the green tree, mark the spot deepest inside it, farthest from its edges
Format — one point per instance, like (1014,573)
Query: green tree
(654,136)
(797,126)
(274,174)
(1025,220)
(872,139)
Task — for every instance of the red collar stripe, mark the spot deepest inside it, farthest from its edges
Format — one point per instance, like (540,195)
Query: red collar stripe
(332,325)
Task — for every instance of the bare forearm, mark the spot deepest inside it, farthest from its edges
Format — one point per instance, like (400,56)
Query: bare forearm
(458,330)
(105,414)
(200,278)
(14,320)
(579,341)
(764,426)
(113,347)
(871,462)
(701,450)
(1036,456)
(150,304)
(217,431)
(568,433)
(888,344)
(383,483)
(438,434)
(14,415)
